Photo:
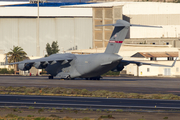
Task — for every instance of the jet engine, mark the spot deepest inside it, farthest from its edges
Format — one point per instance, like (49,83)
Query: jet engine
(24,67)
(119,67)
(39,65)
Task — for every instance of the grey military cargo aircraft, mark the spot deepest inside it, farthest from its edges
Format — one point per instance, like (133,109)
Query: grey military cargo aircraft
(70,66)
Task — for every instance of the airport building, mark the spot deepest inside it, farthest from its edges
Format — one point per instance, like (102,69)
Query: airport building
(73,25)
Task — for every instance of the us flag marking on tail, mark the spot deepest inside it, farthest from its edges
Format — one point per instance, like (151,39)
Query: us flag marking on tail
(112,41)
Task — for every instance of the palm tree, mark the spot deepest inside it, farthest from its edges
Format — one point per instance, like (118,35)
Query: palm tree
(15,55)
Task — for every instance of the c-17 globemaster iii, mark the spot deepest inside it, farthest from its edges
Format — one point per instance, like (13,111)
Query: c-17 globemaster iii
(92,66)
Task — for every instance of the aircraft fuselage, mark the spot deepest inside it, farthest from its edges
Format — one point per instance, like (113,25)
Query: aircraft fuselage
(85,65)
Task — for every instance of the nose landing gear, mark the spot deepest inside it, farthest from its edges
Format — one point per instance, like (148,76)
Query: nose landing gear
(51,77)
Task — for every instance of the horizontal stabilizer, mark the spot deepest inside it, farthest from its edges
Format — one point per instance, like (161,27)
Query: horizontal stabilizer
(134,25)
(116,25)
(119,23)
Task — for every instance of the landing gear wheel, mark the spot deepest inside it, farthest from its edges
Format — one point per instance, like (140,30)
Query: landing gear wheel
(68,78)
(51,77)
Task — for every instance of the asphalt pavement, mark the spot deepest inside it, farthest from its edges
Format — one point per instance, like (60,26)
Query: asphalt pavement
(60,102)
(121,84)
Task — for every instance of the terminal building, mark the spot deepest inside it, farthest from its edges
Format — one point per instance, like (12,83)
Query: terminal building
(73,25)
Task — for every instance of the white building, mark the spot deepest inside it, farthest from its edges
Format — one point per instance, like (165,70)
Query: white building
(166,58)
(2,61)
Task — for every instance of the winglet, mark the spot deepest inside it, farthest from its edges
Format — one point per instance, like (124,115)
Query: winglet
(174,62)
(166,65)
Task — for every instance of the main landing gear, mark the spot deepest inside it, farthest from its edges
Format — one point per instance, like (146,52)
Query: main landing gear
(68,78)
(93,78)
(51,77)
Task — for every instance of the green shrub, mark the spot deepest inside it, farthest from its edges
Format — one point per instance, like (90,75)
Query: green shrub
(106,116)
(41,110)
(15,109)
(86,118)
(54,116)
(111,73)
(165,118)
(30,115)
(11,115)
(30,107)
(6,71)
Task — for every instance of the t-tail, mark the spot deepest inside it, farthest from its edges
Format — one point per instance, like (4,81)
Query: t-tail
(119,33)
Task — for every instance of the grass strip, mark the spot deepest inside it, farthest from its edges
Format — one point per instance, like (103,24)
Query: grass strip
(59,91)
(30,117)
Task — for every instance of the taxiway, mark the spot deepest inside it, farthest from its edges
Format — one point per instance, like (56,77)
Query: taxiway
(122,84)
(60,102)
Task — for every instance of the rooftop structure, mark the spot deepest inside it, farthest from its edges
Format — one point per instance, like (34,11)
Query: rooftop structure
(155,54)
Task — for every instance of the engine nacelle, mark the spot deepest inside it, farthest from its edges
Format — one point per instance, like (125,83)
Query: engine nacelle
(119,67)
(39,65)
(24,67)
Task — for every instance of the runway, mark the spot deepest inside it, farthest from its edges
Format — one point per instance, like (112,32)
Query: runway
(121,84)
(84,102)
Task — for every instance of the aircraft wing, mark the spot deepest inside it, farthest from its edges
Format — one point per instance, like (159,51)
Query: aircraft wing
(126,62)
(50,59)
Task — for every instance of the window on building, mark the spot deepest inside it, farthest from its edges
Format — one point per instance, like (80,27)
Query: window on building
(153,58)
(148,69)
(170,58)
(177,69)
(2,63)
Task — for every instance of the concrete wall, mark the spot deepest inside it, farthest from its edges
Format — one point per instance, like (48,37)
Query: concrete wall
(44,11)
(166,15)
(71,33)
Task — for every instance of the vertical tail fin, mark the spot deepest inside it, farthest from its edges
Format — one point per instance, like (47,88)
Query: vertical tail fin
(119,33)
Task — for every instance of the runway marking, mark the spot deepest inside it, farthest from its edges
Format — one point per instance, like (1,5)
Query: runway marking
(115,106)
(60,100)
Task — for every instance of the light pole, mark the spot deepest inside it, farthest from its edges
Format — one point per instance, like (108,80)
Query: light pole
(37,31)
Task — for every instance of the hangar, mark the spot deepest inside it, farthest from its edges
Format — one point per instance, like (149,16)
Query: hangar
(73,25)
